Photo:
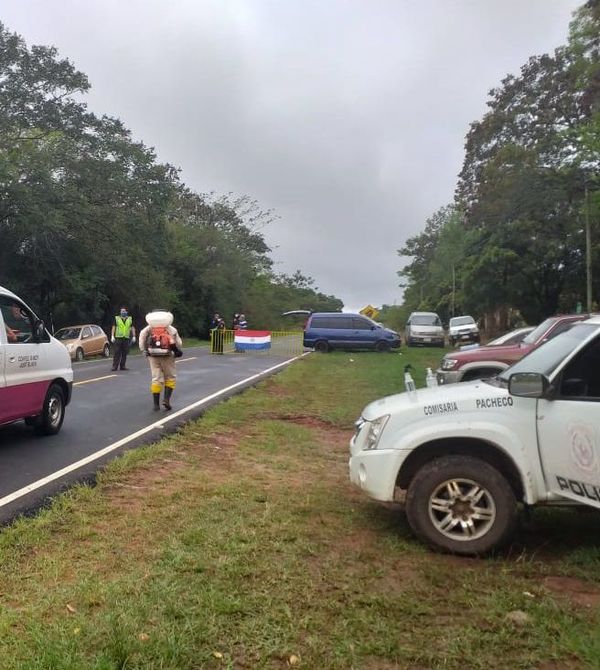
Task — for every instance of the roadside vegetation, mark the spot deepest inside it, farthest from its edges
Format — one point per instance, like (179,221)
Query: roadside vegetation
(515,235)
(239,543)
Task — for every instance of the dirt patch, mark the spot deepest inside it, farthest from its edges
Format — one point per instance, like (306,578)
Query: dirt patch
(576,591)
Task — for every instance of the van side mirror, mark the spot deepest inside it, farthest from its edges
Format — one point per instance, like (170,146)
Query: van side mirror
(39,330)
(528,385)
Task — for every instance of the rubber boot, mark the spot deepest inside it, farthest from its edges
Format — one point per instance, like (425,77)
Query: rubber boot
(156,398)
(167,398)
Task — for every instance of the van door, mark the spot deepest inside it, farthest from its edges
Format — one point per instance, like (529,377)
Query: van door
(2,364)
(364,333)
(569,432)
(25,377)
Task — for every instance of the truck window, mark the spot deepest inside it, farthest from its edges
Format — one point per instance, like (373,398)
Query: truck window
(581,377)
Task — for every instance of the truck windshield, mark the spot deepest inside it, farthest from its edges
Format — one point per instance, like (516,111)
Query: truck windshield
(461,321)
(547,358)
(538,331)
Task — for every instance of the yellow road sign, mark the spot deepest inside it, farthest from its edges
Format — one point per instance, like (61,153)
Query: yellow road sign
(369,311)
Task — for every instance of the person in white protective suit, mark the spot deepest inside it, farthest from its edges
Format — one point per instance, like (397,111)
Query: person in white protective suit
(161,343)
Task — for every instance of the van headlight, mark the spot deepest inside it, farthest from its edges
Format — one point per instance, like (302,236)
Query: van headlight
(375,429)
(449,363)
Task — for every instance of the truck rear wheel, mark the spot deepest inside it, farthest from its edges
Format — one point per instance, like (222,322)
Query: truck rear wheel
(461,505)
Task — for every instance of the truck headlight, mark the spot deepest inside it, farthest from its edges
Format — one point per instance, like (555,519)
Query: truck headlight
(375,429)
(449,363)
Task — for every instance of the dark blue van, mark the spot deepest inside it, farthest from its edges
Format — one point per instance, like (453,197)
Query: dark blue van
(340,330)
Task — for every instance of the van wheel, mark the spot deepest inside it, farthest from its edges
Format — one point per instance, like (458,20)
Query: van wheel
(461,505)
(106,350)
(322,346)
(382,347)
(53,412)
(79,354)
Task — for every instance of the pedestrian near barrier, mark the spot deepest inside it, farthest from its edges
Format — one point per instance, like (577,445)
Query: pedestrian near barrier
(121,335)
(217,337)
(161,343)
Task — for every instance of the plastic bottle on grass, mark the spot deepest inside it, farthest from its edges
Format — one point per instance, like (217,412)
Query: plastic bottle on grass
(431,379)
(409,382)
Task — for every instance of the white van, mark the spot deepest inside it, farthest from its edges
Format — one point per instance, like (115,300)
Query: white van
(36,377)
(424,328)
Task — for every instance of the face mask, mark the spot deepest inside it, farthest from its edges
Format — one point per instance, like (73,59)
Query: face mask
(123,313)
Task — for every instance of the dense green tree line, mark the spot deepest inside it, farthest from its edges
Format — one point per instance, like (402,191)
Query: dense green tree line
(90,220)
(530,182)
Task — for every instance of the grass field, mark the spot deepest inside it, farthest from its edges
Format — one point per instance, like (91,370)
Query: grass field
(239,543)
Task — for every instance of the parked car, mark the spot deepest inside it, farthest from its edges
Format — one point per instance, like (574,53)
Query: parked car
(463,458)
(324,331)
(424,328)
(462,329)
(465,365)
(35,370)
(84,340)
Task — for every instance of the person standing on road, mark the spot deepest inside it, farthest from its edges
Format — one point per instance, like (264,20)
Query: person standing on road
(161,343)
(121,335)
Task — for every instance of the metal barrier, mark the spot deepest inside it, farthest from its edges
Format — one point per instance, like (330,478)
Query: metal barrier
(280,343)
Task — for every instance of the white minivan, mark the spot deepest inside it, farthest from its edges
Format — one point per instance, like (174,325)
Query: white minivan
(36,377)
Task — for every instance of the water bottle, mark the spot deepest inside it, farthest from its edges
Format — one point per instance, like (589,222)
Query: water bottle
(431,379)
(409,382)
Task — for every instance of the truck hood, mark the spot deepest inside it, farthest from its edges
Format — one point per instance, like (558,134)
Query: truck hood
(465,328)
(498,353)
(439,400)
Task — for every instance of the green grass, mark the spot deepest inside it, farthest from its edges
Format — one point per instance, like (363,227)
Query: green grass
(239,543)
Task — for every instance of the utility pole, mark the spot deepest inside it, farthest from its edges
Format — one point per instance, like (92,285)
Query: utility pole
(588,250)
(453,287)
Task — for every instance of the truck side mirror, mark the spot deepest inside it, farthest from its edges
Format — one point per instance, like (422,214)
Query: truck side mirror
(528,385)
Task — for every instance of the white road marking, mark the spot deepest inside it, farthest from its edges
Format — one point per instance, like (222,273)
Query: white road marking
(95,379)
(11,497)
(184,360)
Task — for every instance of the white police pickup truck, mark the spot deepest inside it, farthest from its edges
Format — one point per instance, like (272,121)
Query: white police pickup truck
(467,454)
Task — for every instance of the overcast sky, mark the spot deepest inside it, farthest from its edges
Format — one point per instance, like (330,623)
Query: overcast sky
(346,117)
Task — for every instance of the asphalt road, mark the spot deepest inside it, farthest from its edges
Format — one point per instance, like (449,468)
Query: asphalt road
(110,412)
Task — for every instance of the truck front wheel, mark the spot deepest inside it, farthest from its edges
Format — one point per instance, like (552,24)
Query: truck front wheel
(461,505)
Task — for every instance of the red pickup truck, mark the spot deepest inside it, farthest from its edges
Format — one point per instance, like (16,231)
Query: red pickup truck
(462,366)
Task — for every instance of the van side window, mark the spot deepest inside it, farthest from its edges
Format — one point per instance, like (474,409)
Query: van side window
(18,321)
(362,324)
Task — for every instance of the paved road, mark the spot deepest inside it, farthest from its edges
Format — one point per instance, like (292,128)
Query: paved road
(112,411)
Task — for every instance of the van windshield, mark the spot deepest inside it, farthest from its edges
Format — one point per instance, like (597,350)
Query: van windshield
(425,320)
(67,334)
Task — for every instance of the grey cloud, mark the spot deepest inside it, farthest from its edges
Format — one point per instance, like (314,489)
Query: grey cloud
(346,117)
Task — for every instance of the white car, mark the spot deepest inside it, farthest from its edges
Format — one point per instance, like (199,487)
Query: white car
(466,454)
(36,377)
(462,329)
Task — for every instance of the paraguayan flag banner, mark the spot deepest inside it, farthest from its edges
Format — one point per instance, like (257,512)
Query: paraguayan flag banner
(252,339)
